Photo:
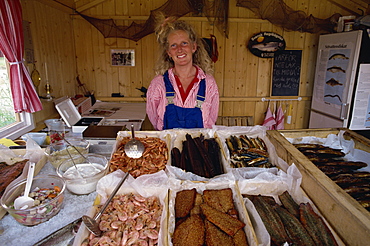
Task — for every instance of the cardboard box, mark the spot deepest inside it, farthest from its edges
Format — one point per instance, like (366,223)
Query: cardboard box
(73,118)
(349,219)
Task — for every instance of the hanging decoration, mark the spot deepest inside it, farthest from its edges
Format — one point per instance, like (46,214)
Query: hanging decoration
(278,13)
(215,10)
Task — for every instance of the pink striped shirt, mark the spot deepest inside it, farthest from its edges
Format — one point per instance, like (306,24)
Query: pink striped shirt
(157,101)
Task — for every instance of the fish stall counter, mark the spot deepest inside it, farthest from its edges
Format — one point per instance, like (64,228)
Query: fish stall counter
(46,233)
(102,114)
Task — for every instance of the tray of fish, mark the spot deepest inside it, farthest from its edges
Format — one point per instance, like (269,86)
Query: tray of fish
(343,172)
(334,164)
(280,209)
(198,152)
(292,223)
(208,213)
(155,156)
(137,214)
(246,147)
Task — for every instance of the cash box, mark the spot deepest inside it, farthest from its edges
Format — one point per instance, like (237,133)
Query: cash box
(73,118)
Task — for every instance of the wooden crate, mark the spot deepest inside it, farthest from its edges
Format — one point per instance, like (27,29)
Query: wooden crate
(349,219)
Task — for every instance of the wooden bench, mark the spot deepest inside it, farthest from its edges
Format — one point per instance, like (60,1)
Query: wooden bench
(235,121)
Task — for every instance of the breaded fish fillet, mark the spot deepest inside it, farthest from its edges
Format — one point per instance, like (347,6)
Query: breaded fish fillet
(221,200)
(225,222)
(216,237)
(190,232)
(198,200)
(184,202)
(240,239)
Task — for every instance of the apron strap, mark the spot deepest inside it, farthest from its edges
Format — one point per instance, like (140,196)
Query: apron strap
(201,96)
(170,92)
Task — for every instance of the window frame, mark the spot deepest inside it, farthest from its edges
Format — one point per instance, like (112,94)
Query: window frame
(24,123)
(22,126)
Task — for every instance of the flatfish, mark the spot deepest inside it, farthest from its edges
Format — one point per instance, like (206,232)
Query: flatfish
(338,56)
(333,82)
(336,69)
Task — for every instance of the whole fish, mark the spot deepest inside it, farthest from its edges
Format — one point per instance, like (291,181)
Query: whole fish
(337,96)
(295,230)
(336,69)
(315,226)
(271,220)
(269,47)
(338,56)
(308,146)
(333,82)
(288,202)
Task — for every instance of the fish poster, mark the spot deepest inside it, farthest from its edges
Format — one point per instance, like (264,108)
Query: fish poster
(336,75)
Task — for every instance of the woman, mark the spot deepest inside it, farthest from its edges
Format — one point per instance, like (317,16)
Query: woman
(184,93)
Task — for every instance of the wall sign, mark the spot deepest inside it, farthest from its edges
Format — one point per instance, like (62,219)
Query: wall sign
(122,57)
(266,44)
(286,73)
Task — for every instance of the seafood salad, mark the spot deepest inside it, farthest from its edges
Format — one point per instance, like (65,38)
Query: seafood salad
(42,196)
(130,219)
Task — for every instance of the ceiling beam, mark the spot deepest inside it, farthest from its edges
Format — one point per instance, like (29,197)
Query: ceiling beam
(67,6)
(89,5)
(352,6)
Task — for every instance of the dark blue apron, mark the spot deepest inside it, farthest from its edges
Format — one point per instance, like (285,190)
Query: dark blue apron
(178,117)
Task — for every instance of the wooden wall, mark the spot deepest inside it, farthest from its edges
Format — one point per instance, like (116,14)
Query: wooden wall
(71,46)
(54,51)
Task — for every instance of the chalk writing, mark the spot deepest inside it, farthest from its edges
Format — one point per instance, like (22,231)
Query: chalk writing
(286,73)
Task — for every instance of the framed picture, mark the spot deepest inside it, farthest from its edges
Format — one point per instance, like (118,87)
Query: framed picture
(122,57)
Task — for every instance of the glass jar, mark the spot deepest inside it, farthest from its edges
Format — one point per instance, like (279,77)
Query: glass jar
(56,130)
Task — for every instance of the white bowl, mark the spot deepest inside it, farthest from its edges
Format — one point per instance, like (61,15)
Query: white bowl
(89,172)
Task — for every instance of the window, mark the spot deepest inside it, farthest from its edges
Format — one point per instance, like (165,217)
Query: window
(12,125)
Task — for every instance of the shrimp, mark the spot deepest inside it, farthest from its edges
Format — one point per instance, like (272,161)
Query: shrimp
(132,220)
(105,226)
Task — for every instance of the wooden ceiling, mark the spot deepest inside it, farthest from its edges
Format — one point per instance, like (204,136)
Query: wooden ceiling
(354,6)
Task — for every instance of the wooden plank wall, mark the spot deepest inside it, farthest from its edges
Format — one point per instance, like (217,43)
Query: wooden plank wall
(53,43)
(243,78)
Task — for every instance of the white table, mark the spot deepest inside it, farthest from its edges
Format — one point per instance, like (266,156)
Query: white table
(118,113)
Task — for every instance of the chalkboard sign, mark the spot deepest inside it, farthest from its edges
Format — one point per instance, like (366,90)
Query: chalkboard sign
(286,73)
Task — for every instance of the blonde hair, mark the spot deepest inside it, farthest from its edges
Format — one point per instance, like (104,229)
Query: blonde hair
(168,25)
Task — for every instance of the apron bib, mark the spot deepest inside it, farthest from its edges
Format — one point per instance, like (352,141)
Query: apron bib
(178,117)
